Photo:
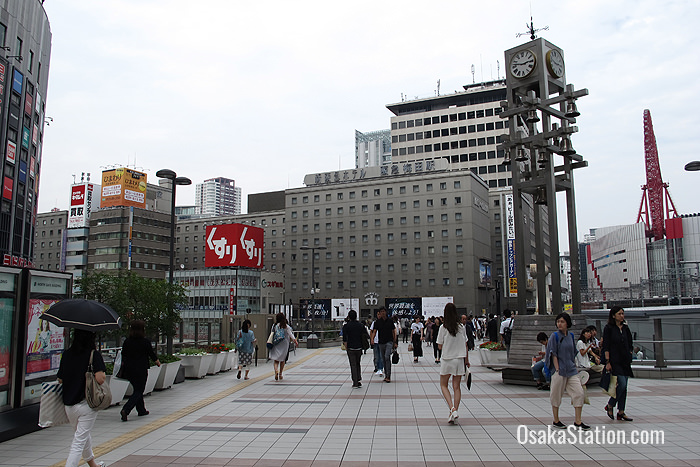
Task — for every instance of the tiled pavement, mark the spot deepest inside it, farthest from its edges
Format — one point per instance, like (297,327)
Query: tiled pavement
(314,417)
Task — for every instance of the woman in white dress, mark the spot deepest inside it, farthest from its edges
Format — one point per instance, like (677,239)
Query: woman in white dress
(278,354)
(452,339)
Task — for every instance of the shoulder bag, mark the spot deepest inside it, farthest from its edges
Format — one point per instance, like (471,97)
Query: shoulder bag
(98,396)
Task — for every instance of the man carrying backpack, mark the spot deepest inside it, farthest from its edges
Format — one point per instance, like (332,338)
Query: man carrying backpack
(507,328)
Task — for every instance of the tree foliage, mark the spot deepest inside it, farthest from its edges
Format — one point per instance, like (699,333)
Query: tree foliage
(134,297)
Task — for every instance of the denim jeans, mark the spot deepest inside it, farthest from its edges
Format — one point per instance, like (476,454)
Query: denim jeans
(378,358)
(621,393)
(538,373)
(386,350)
(82,417)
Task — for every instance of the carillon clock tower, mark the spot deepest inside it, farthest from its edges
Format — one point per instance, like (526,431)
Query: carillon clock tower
(541,112)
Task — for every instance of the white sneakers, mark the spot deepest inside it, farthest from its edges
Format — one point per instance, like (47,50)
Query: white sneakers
(454,415)
(379,373)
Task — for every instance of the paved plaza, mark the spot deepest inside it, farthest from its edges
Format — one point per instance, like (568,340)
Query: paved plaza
(314,418)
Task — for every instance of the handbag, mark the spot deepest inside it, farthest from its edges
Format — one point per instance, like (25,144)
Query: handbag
(410,347)
(270,337)
(365,340)
(278,336)
(239,341)
(394,357)
(52,412)
(608,383)
(98,396)
(343,346)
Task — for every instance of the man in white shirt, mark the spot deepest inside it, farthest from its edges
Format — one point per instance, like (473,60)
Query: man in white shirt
(507,328)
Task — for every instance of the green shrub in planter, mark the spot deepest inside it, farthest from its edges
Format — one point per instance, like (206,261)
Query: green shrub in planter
(109,368)
(168,358)
(192,351)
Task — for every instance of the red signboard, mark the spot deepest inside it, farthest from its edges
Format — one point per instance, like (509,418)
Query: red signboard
(11,151)
(234,245)
(7,188)
(77,195)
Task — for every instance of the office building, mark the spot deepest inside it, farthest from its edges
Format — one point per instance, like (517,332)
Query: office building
(50,240)
(462,128)
(218,197)
(25,38)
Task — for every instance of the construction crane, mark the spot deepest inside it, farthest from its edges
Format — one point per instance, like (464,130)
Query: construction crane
(656,206)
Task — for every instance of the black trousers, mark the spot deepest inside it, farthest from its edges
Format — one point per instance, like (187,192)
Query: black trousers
(136,397)
(354,357)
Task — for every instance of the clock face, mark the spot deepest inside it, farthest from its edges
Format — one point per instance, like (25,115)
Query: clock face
(555,63)
(522,64)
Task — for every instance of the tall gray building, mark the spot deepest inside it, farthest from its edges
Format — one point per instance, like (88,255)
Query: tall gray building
(25,41)
(372,149)
(50,240)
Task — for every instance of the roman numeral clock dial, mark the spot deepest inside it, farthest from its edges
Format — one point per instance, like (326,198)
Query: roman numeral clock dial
(522,64)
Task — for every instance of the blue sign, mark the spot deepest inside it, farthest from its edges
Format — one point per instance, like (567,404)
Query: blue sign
(22,172)
(17,82)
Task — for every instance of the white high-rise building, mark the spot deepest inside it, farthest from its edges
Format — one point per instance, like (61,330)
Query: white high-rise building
(218,197)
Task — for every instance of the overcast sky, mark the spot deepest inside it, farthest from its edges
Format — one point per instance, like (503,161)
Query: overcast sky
(265,92)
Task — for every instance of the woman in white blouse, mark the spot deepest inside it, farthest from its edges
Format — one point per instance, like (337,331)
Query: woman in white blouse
(452,339)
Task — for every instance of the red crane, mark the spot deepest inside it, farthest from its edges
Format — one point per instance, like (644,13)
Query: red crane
(656,200)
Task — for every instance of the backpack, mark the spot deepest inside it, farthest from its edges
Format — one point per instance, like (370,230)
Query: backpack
(279,335)
(507,332)
(239,341)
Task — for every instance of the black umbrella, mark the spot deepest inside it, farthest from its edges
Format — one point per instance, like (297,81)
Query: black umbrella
(79,313)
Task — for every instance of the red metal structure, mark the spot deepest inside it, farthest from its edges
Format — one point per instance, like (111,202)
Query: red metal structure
(656,206)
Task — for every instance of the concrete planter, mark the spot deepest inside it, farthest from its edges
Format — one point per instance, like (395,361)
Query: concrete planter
(228,361)
(196,366)
(153,373)
(493,358)
(168,372)
(216,363)
(118,387)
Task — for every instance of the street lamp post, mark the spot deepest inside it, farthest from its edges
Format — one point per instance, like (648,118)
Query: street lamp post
(174,180)
(313,283)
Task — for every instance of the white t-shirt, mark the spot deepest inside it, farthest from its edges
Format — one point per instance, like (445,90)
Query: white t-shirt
(416,328)
(582,361)
(507,323)
(453,346)
(376,334)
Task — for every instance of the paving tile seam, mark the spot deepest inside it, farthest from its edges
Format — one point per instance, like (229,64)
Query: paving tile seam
(126,438)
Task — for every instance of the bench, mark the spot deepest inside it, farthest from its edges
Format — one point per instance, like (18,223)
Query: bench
(524,345)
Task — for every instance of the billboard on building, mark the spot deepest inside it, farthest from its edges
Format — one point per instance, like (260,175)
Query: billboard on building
(435,306)
(484,273)
(81,200)
(409,307)
(230,245)
(123,187)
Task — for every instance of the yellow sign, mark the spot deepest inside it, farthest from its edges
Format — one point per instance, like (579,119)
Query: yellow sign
(123,187)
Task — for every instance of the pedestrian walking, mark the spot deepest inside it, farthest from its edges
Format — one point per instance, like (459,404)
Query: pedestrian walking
(452,340)
(136,355)
(245,346)
(352,338)
(417,338)
(437,352)
(71,373)
(560,357)
(378,356)
(617,349)
(387,341)
(280,352)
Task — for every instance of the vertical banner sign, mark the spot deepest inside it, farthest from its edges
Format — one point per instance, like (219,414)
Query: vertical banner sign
(232,301)
(11,152)
(131,231)
(80,205)
(510,254)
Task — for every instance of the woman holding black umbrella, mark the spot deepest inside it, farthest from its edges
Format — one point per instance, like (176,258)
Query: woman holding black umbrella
(136,352)
(71,373)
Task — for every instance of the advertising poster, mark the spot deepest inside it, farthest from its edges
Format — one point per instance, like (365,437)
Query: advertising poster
(45,341)
(321,309)
(123,187)
(341,306)
(11,152)
(7,188)
(435,306)
(6,312)
(409,307)
(484,273)
(80,204)
(234,245)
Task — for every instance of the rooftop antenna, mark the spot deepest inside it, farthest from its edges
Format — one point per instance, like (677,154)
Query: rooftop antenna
(82,177)
(531,29)
(473,79)
(88,176)
(73,179)
(498,69)
(438,89)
